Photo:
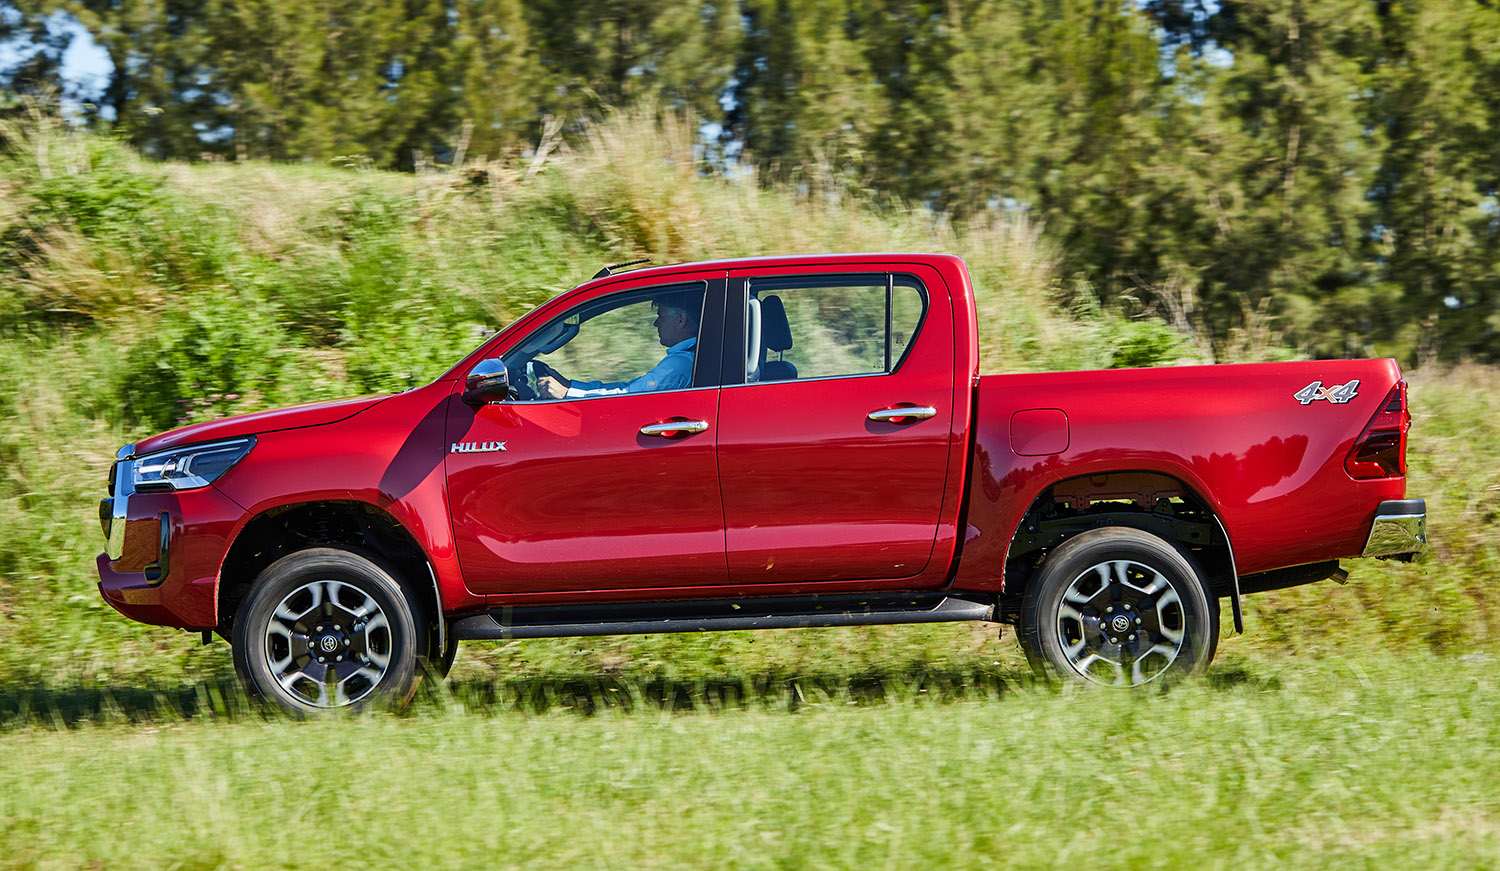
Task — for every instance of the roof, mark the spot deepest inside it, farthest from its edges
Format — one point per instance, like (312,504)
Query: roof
(854,258)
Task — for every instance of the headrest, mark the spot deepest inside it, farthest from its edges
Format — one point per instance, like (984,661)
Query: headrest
(774,329)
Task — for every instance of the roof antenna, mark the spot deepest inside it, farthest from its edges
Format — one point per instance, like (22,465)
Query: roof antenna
(608,270)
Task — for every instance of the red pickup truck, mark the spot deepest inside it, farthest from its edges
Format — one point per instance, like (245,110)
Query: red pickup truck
(763,443)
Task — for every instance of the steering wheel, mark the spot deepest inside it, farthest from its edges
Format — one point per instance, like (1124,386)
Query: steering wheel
(525,387)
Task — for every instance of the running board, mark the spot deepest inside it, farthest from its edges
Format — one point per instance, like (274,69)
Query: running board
(716,615)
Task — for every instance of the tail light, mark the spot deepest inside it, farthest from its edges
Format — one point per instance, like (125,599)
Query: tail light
(1380,451)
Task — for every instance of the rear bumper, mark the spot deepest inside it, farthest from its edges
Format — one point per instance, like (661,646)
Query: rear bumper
(1399,530)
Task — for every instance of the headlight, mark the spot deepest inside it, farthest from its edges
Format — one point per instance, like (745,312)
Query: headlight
(189,467)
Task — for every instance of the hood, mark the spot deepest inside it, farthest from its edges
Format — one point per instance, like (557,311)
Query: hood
(296,417)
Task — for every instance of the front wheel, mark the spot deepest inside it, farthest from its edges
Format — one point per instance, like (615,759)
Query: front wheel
(1119,607)
(326,628)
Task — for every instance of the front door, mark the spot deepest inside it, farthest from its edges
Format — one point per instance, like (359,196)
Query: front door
(613,484)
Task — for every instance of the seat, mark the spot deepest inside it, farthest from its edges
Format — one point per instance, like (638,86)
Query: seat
(776,335)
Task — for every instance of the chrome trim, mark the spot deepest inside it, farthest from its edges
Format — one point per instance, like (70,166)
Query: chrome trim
(800,380)
(488,377)
(1396,534)
(917,412)
(526,403)
(678,426)
(476,447)
(124,489)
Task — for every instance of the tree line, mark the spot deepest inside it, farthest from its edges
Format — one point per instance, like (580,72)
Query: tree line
(1323,174)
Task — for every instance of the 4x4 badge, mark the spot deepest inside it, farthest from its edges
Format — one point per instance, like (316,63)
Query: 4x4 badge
(476,447)
(1338,394)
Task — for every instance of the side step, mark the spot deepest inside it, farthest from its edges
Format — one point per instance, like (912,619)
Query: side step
(714,615)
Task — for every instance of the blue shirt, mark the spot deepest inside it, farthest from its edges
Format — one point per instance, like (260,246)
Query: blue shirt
(674,372)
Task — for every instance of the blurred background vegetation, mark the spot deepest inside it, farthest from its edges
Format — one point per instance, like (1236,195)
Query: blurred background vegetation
(1322,174)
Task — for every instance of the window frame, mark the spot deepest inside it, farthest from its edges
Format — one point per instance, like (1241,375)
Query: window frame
(736,352)
(706,356)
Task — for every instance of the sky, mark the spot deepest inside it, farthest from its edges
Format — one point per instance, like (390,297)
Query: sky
(85,66)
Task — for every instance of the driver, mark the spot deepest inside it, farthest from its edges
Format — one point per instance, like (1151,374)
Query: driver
(676,326)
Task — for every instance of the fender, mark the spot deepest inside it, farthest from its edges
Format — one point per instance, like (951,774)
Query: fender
(390,458)
(1145,489)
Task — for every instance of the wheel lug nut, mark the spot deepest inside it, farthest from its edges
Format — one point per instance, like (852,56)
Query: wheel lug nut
(1110,609)
(1137,621)
(1127,607)
(1114,640)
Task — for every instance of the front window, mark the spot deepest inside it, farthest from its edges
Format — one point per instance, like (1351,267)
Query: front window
(636,342)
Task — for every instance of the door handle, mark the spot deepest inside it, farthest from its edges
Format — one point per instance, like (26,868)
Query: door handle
(674,428)
(903,414)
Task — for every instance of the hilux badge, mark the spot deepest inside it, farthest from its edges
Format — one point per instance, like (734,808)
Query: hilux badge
(476,447)
(1338,394)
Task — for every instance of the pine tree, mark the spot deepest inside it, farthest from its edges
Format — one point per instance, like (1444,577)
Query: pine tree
(1435,234)
(499,94)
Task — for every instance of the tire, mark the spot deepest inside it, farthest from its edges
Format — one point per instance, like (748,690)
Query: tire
(326,629)
(1119,607)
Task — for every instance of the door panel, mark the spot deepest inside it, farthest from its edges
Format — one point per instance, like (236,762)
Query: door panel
(813,488)
(580,499)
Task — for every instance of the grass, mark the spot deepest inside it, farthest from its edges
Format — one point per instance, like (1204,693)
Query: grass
(1323,765)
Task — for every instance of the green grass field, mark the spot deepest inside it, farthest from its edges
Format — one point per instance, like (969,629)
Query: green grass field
(1384,762)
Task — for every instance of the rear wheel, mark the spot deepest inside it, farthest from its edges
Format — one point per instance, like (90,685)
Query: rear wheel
(324,629)
(1119,607)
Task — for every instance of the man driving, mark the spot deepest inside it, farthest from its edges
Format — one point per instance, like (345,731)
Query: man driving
(676,326)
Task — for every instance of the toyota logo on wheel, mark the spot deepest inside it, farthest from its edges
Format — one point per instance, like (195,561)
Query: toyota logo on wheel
(1120,623)
(329,644)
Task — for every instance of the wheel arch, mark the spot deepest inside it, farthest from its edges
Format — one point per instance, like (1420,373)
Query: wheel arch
(1157,502)
(351,524)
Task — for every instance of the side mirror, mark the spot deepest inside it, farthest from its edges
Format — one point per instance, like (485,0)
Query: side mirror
(489,381)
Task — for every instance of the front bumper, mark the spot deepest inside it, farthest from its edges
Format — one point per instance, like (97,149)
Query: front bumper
(164,551)
(1399,530)
(182,602)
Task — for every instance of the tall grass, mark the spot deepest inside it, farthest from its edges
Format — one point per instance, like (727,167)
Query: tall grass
(1334,765)
(137,296)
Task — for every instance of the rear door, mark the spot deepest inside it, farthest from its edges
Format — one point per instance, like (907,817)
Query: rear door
(835,424)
